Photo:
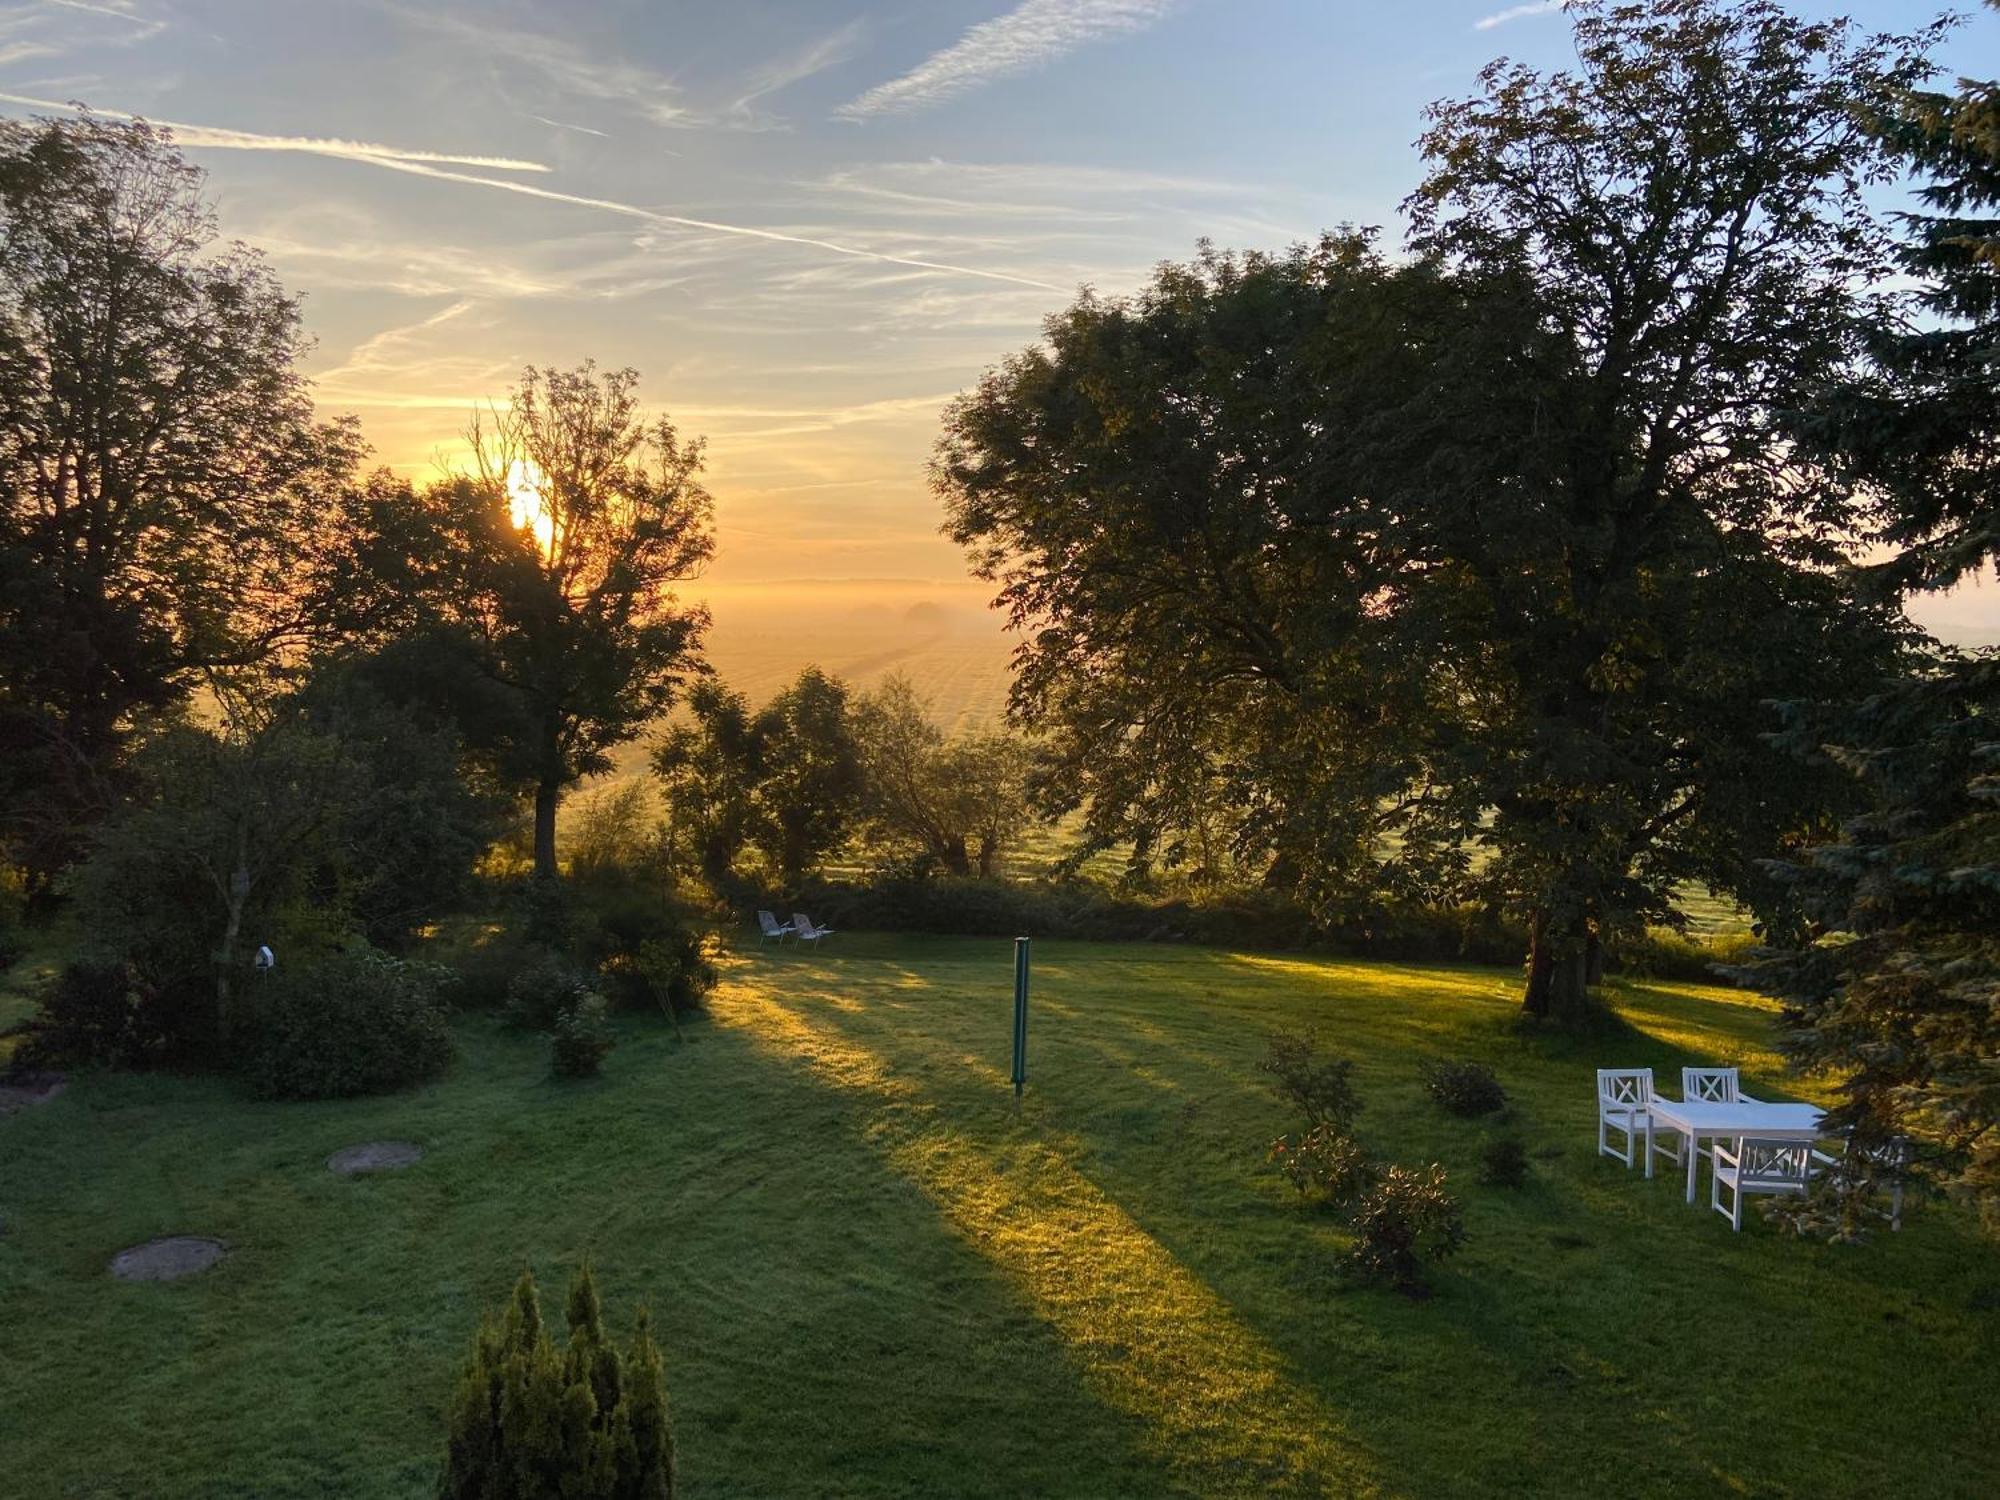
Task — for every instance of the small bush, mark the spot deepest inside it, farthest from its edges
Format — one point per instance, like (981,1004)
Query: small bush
(1465,1088)
(1326,1162)
(88,1016)
(13,936)
(529,1420)
(580,1038)
(1407,1220)
(1662,953)
(1320,1088)
(542,990)
(357,1023)
(1504,1162)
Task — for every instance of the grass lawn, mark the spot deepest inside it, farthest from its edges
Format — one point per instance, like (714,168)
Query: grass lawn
(871,1278)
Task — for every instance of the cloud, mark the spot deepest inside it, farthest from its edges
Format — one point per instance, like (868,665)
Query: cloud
(221,139)
(555,63)
(428,164)
(1031,34)
(781,73)
(1518,13)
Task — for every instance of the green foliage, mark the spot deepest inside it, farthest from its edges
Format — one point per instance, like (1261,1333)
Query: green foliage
(573,616)
(359,1022)
(1458,647)
(932,804)
(1406,1221)
(531,1422)
(1319,1088)
(405,843)
(1892,963)
(709,766)
(298,822)
(543,990)
(1326,1161)
(1921,423)
(1464,1088)
(581,1038)
(161,472)
(89,1015)
(808,796)
(1503,1162)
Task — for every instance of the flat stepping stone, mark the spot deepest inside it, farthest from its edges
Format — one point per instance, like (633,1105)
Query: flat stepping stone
(375,1156)
(168,1258)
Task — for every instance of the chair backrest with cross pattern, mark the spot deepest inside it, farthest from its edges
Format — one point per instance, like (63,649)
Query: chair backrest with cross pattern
(1708,1085)
(1624,1089)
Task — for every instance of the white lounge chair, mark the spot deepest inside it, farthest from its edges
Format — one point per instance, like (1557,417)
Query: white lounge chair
(768,927)
(802,925)
(1750,1165)
(1624,1100)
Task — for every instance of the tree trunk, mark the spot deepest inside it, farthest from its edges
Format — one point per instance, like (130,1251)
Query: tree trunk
(952,854)
(1558,972)
(225,953)
(1569,990)
(1593,960)
(1540,966)
(546,796)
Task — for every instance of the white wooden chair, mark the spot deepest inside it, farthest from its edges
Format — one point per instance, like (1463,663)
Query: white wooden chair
(1624,1100)
(1708,1086)
(769,927)
(1749,1165)
(802,925)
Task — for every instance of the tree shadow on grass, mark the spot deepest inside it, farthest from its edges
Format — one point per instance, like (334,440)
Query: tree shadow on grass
(1560,1343)
(1149,1339)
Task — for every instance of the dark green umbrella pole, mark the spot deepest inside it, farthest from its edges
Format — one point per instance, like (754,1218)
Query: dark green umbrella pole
(1020,1018)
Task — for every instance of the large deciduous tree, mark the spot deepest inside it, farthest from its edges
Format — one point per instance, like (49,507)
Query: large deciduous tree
(160,467)
(549,571)
(1472,577)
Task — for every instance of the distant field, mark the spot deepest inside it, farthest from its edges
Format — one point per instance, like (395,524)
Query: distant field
(953,649)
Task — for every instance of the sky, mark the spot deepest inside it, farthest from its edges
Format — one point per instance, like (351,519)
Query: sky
(807,223)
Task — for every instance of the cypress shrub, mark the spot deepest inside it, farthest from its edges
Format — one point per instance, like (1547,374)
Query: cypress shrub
(531,1423)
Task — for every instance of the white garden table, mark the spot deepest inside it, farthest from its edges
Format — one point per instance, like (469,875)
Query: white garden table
(1714,1118)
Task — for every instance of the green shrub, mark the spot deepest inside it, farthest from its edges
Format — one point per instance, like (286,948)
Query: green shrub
(1465,1088)
(528,1421)
(359,1022)
(1662,953)
(486,966)
(580,1038)
(1404,1222)
(1504,1162)
(89,1016)
(13,936)
(542,989)
(1081,907)
(1320,1088)
(1324,1161)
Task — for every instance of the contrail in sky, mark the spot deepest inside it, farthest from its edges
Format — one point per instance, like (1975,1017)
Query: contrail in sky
(429,164)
